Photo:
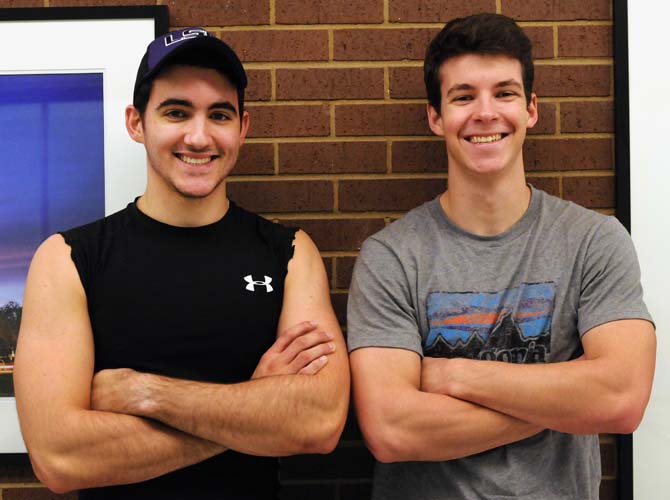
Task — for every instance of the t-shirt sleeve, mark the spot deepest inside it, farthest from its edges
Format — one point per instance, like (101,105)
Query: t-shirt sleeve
(380,311)
(610,288)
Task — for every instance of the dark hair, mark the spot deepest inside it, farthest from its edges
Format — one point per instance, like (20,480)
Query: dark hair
(193,58)
(492,34)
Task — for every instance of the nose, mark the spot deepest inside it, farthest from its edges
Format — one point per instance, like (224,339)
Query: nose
(486,109)
(197,134)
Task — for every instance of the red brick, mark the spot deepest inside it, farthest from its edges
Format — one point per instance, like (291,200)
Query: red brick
(332,235)
(542,38)
(609,489)
(548,184)
(339,301)
(22,3)
(431,11)
(407,83)
(332,157)
(344,269)
(608,458)
(260,85)
(419,156)
(74,3)
(381,119)
(328,264)
(568,154)
(336,83)
(591,192)
(35,494)
(556,10)
(255,158)
(279,45)
(387,194)
(328,11)
(546,123)
(382,44)
(289,121)
(282,196)
(589,116)
(17,472)
(222,13)
(585,41)
(573,80)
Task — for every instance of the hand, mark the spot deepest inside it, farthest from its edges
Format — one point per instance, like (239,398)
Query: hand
(302,349)
(120,390)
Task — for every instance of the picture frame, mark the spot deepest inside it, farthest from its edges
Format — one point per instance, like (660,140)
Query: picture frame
(106,40)
(641,126)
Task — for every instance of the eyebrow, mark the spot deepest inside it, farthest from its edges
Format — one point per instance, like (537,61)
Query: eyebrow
(466,86)
(227,105)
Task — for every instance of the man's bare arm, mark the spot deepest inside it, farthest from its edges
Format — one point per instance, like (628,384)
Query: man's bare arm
(606,391)
(275,416)
(402,423)
(70,446)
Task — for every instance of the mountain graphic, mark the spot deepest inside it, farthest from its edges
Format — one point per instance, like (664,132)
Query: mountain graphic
(505,343)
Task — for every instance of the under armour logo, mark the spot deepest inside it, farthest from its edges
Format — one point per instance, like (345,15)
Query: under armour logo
(251,283)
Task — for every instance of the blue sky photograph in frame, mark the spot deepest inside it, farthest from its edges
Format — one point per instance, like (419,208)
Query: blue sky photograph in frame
(51,179)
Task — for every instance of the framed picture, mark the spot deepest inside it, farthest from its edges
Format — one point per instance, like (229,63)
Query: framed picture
(643,177)
(64,85)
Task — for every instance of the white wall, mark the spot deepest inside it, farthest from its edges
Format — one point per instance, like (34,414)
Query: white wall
(649,84)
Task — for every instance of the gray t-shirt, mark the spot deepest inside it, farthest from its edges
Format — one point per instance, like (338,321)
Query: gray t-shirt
(524,296)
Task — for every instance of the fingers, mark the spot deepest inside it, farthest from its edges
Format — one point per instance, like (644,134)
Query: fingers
(307,356)
(315,366)
(290,334)
(305,342)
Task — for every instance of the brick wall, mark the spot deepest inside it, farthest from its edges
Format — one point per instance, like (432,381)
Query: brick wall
(339,143)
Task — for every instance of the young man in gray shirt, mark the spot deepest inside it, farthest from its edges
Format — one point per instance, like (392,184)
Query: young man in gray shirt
(495,330)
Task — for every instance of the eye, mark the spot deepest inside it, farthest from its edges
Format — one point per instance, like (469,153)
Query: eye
(507,93)
(175,113)
(462,98)
(219,116)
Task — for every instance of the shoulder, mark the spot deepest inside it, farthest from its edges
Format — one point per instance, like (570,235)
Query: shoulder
(407,233)
(571,219)
(93,230)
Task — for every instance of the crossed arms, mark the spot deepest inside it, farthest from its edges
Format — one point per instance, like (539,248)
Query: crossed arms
(433,409)
(122,426)
(441,409)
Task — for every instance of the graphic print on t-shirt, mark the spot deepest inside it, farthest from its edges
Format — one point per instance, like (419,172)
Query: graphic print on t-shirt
(513,325)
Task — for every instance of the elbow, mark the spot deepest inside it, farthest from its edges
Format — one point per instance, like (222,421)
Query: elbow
(325,435)
(52,472)
(387,448)
(622,416)
(628,419)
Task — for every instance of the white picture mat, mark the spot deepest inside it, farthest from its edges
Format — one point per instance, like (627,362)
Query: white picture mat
(649,85)
(114,48)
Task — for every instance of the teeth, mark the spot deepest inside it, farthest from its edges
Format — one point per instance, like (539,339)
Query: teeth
(194,161)
(479,139)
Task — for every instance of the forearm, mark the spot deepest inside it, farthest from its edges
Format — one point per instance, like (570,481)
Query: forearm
(579,397)
(271,416)
(87,448)
(413,425)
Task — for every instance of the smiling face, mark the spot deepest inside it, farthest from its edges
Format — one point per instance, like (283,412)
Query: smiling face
(191,130)
(484,114)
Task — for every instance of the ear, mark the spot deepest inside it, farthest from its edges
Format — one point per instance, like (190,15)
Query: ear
(532,111)
(434,120)
(134,124)
(244,126)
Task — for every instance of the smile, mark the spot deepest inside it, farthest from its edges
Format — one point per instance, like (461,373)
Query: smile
(483,139)
(194,161)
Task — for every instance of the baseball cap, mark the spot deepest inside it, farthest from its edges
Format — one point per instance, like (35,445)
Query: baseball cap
(164,48)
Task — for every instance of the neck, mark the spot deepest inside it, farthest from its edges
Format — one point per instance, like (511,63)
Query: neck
(181,211)
(486,209)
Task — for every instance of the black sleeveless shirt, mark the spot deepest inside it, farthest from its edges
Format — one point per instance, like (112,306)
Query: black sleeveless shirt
(197,303)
